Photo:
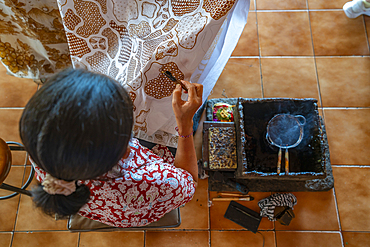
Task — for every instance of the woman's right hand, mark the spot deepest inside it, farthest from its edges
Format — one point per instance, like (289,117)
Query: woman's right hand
(185,110)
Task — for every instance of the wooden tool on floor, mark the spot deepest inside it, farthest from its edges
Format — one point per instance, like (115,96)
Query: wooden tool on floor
(222,196)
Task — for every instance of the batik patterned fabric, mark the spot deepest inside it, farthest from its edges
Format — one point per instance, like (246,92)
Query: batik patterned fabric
(132,41)
(32,39)
(138,190)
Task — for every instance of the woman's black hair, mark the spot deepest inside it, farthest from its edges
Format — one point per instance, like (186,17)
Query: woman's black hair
(77,126)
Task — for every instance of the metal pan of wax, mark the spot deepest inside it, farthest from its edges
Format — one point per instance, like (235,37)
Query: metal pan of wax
(285,131)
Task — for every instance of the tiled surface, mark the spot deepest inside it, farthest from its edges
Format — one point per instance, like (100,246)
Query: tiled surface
(356,239)
(218,209)
(293,48)
(5,239)
(248,42)
(319,4)
(45,239)
(348,135)
(242,238)
(352,87)
(240,78)
(335,34)
(284,33)
(98,239)
(352,196)
(314,211)
(295,78)
(15,92)
(177,239)
(198,206)
(308,239)
(281,5)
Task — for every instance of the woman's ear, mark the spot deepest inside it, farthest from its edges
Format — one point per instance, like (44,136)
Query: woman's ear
(127,152)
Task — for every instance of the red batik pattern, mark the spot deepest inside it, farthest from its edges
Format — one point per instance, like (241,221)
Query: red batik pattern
(138,190)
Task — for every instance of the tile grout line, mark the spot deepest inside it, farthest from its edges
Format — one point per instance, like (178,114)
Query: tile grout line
(314,57)
(345,108)
(144,238)
(16,218)
(259,54)
(209,238)
(275,237)
(352,166)
(19,204)
(306,56)
(79,239)
(12,108)
(209,214)
(366,34)
(293,10)
(338,217)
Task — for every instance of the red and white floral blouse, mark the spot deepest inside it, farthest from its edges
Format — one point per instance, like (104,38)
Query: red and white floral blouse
(138,190)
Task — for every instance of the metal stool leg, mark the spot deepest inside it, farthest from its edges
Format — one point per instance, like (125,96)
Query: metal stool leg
(15,189)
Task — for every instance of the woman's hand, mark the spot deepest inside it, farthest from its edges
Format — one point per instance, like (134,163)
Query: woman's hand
(185,110)
(186,157)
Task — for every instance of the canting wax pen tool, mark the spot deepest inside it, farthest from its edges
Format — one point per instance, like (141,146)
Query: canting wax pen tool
(227,199)
(173,79)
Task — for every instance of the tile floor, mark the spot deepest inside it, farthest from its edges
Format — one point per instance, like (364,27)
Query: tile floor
(291,48)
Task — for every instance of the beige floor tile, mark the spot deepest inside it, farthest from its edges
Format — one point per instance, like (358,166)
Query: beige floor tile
(14,178)
(45,239)
(248,42)
(289,77)
(5,239)
(9,207)
(348,135)
(218,210)
(284,34)
(9,124)
(356,239)
(308,239)
(252,7)
(315,211)
(8,213)
(353,196)
(98,239)
(319,4)
(240,78)
(241,238)
(15,92)
(19,158)
(334,34)
(31,218)
(344,81)
(283,5)
(177,239)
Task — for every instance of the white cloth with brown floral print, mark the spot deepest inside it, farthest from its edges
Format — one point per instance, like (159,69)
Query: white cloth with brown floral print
(133,41)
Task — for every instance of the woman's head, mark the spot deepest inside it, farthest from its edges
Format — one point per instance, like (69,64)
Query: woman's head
(77,126)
